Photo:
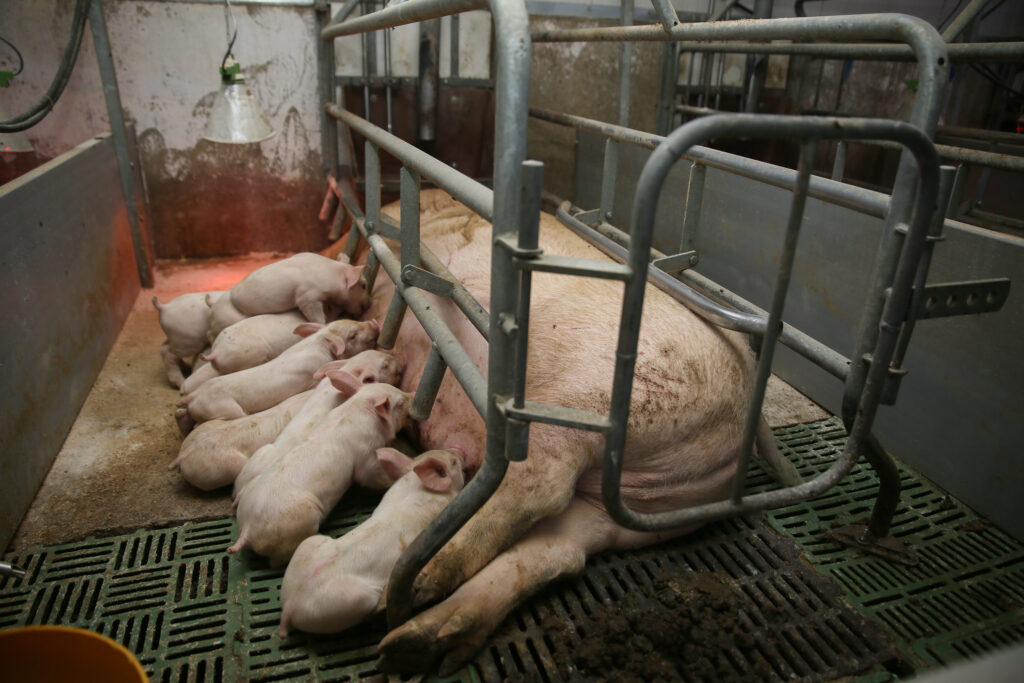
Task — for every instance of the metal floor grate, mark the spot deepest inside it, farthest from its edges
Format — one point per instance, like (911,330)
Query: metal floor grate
(965,597)
(191,613)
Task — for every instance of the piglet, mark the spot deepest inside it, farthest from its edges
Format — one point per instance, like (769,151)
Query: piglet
(185,321)
(214,453)
(331,585)
(285,504)
(304,281)
(253,341)
(255,389)
(338,380)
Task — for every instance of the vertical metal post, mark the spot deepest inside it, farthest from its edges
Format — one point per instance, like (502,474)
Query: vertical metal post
(774,326)
(667,88)
(119,134)
(757,65)
(691,214)
(325,69)
(392,319)
(957,195)
(453,30)
(429,82)
(372,191)
(387,77)
(611,148)
(839,164)
(517,442)
(409,184)
(430,383)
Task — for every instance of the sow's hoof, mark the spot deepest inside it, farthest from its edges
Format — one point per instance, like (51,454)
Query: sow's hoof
(444,630)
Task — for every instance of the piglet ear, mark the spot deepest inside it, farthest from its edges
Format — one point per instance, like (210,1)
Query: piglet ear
(382,406)
(351,275)
(337,348)
(344,382)
(327,367)
(433,474)
(394,463)
(306,329)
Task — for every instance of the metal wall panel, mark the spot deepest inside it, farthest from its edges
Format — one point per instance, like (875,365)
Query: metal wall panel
(958,417)
(68,282)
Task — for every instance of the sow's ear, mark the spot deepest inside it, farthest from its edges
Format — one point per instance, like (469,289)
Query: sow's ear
(306,329)
(394,463)
(344,382)
(433,473)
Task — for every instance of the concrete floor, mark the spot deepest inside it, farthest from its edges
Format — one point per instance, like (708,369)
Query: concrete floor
(111,474)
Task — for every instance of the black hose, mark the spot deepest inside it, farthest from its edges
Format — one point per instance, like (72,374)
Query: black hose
(41,108)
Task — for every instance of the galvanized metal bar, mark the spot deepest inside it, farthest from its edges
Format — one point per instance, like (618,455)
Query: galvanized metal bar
(466,302)
(609,174)
(430,383)
(947,174)
(371,175)
(387,80)
(565,265)
(453,37)
(561,416)
(839,163)
(980,134)
(407,12)
(512,58)
(518,437)
(723,10)
(651,179)
(119,134)
(774,327)
(392,319)
(325,82)
(666,13)
(429,81)
(409,182)
(476,196)
(966,16)
(667,87)
(692,210)
(743,316)
(468,374)
(345,11)
(859,199)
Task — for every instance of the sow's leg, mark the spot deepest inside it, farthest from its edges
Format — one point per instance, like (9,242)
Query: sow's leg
(556,547)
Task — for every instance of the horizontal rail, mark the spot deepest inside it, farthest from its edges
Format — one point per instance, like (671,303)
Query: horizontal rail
(958,52)
(742,317)
(561,416)
(565,265)
(476,196)
(1006,162)
(407,12)
(857,198)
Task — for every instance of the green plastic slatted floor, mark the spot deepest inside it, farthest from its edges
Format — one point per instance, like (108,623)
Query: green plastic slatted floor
(192,613)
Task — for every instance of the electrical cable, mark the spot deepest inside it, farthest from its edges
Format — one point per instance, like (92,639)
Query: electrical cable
(942,25)
(41,108)
(229,18)
(21,60)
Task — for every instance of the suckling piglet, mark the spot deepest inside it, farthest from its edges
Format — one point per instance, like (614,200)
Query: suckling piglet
(214,452)
(338,380)
(304,281)
(331,585)
(255,389)
(253,341)
(286,503)
(185,320)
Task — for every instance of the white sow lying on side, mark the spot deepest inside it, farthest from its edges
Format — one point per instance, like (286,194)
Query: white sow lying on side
(332,585)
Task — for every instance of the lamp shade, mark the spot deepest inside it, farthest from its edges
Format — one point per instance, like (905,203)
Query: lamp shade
(237,117)
(12,142)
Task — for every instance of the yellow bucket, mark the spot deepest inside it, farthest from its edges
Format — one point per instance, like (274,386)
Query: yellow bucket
(45,654)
